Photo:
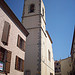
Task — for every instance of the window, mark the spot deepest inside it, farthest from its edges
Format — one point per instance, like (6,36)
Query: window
(51,73)
(2,53)
(19,64)
(32,6)
(56,69)
(59,68)
(5,34)
(58,63)
(43,11)
(21,43)
(27,72)
(49,57)
(5,60)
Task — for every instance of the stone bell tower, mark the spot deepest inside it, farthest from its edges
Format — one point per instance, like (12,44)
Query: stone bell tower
(33,19)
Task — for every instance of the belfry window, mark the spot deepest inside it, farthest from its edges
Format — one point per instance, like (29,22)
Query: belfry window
(32,6)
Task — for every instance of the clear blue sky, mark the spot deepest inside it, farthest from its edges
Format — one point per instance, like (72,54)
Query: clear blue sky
(60,20)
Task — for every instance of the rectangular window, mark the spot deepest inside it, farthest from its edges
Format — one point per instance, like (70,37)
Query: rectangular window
(2,53)
(49,57)
(5,60)
(51,73)
(21,43)
(27,72)
(43,11)
(5,34)
(31,8)
(19,64)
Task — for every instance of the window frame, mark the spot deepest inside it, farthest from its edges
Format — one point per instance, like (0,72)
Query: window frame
(19,65)
(21,43)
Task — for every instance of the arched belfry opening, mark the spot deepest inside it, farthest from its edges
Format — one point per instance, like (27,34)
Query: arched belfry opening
(32,8)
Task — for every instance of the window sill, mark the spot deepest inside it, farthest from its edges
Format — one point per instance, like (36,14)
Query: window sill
(19,70)
(21,49)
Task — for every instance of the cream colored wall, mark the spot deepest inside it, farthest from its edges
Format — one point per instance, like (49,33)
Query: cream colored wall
(66,66)
(12,42)
(43,21)
(50,63)
(42,6)
(47,66)
(43,54)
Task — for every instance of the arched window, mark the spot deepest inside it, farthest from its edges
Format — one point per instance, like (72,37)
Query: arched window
(32,6)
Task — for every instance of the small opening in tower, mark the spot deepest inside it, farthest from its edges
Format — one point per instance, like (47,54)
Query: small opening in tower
(43,11)
(32,6)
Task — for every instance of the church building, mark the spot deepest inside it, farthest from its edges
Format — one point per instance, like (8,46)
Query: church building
(38,54)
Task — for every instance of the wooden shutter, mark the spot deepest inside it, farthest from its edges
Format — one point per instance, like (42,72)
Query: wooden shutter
(1,56)
(5,34)
(8,56)
(8,62)
(22,65)
(7,67)
(16,63)
(18,42)
(24,45)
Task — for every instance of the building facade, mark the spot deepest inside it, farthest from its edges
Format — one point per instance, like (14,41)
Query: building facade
(39,56)
(57,68)
(66,66)
(63,67)
(12,42)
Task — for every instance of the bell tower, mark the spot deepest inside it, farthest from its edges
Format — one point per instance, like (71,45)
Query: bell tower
(33,14)
(33,19)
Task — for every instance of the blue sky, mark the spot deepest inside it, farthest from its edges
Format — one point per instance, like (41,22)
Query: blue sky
(60,21)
